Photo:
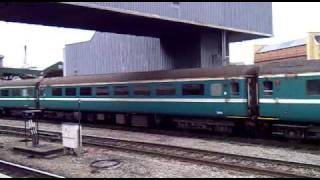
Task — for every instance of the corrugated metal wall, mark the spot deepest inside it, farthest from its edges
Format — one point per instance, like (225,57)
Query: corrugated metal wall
(107,52)
(251,16)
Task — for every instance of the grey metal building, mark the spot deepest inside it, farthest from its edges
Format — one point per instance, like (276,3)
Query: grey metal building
(109,52)
(1,61)
(181,35)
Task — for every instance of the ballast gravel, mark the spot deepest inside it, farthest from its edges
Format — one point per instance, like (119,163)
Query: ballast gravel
(131,165)
(248,149)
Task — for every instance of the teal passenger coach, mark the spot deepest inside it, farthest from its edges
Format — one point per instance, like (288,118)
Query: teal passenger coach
(277,98)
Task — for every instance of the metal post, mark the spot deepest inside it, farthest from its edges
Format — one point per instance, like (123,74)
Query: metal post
(31,118)
(25,130)
(37,123)
(33,130)
(79,126)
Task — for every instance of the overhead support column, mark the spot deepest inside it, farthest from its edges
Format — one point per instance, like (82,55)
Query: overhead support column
(224,48)
(196,50)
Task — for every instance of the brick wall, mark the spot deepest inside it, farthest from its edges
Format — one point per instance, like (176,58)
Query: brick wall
(288,53)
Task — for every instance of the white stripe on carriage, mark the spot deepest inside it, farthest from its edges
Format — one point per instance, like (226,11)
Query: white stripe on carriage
(198,100)
(290,101)
(17,99)
(290,75)
(16,87)
(147,81)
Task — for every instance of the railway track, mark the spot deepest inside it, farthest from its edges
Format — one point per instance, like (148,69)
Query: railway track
(305,146)
(18,171)
(269,167)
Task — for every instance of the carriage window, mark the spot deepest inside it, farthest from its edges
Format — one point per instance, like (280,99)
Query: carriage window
(235,89)
(4,92)
(30,91)
(141,90)
(71,91)
(216,89)
(56,92)
(121,90)
(193,89)
(27,92)
(267,88)
(102,91)
(85,91)
(313,87)
(166,90)
(16,92)
(41,92)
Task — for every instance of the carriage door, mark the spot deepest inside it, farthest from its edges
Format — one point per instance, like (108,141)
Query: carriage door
(252,96)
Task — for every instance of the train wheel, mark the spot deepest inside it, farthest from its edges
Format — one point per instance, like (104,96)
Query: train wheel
(2,112)
(77,116)
(6,112)
(90,117)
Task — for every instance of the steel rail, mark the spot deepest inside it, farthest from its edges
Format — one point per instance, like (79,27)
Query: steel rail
(25,171)
(185,154)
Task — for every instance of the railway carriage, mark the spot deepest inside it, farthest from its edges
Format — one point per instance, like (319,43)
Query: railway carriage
(211,92)
(280,98)
(290,94)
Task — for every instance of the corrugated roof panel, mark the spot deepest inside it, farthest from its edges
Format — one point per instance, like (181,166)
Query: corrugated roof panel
(284,45)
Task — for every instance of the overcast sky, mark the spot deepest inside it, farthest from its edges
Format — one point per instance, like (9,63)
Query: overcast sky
(45,44)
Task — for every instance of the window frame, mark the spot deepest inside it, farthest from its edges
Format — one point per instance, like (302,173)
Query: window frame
(69,88)
(143,90)
(306,87)
(30,92)
(232,91)
(211,89)
(4,90)
(85,95)
(264,91)
(16,89)
(161,85)
(57,88)
(116,88)
(107,88)
(42,91)
(201,89)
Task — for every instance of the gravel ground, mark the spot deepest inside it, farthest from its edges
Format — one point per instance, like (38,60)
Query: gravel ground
(214,145)
(131,165)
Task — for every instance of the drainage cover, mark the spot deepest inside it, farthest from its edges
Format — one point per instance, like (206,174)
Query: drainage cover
(105,163)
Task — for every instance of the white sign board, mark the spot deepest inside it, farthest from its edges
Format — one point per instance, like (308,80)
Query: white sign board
(70,135)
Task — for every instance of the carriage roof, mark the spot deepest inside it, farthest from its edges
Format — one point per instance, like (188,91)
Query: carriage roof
(290,67)
(17,83)
(225,71)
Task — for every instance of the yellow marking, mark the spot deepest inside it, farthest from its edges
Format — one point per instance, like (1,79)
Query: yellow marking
(265,118)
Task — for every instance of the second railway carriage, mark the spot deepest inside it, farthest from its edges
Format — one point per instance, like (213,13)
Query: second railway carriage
(289,93)
(18,94)
(213,92)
